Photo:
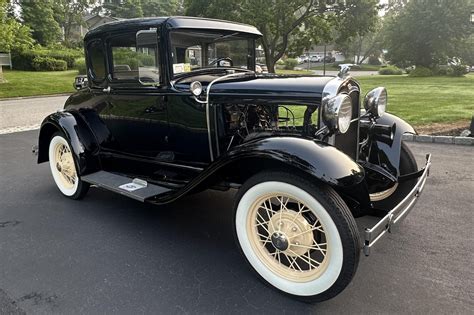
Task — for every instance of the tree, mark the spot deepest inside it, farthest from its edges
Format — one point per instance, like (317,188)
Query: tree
(278,20)
(68,14)
(161,7)
(424,33)
(39,17)
(13,35)
(358,30)
(126,9)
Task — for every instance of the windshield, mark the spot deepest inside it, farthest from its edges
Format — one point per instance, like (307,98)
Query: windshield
(193,50)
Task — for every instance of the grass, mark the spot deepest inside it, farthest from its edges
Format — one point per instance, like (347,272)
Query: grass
(29,83)
(422,101)
(358,68)
(301,72)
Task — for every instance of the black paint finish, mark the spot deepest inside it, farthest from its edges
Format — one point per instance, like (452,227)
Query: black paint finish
(160,133)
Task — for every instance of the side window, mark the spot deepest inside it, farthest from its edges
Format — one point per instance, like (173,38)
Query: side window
(134,58)
(148,57)
(97,60)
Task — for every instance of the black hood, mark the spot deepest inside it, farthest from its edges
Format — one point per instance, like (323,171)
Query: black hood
(297,88)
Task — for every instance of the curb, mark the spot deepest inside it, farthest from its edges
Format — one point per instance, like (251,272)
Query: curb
(33,96)
(439,139)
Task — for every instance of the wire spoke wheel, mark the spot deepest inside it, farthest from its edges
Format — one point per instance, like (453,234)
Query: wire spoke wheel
(288,237)
(63,168)
(64,162)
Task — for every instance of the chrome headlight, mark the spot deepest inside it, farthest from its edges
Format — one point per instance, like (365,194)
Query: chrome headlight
(337,113)
(196,88)
(375,101)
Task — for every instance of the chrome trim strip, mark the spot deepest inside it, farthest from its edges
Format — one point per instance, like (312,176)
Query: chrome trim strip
(400,211)
(208,120)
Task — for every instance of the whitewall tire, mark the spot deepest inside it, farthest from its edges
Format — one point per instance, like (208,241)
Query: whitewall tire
(300,238)
(63,168)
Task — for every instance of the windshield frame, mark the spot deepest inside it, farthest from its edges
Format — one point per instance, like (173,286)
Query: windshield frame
(251,54)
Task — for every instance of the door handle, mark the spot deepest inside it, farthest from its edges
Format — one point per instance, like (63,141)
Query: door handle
(106,90)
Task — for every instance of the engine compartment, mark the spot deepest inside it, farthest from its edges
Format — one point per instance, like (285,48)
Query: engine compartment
(244,122)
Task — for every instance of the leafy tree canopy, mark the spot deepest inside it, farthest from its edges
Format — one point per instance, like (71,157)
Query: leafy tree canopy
(280,21)
(39,17)
(424,33)
(13,35)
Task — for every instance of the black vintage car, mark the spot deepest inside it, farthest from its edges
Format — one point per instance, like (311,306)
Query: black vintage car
(174,106)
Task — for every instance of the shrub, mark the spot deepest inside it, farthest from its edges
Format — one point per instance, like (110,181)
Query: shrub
(290,63)
(390,70)
(48,64)
(456,70)
(420,71)
(81,65)
(280,62)
(373,60)
(23,60)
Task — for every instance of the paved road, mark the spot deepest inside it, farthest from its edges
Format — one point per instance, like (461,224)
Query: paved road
(108,253)
(27,113)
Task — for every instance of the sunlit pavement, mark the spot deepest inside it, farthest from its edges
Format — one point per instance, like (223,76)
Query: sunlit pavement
(108,253)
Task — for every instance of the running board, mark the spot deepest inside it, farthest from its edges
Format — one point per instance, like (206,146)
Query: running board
(137,189)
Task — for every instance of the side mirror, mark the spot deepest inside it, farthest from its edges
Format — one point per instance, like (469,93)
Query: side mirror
(147,57)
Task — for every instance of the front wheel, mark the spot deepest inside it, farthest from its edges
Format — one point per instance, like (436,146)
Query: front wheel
(298,236)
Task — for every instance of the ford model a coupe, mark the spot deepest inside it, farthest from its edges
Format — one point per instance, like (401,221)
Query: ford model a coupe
(176,105)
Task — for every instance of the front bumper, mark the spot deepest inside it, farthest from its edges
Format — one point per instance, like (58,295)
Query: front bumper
(394,216)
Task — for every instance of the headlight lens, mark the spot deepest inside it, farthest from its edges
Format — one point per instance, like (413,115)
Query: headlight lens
(337,113)
(375,101)
(196,88)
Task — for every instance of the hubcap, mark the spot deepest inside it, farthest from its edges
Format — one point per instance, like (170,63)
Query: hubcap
(288,238)
(65,165)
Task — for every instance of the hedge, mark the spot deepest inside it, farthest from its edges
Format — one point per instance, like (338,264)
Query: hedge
(48,64)
(390,70)
(24,60)
(81,66)
(420,71)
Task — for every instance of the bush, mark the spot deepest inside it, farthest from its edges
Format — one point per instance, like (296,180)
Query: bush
(390,70)
(280,62)
(23,60)
(290,63)
(420,71)
(457,70)
(81,65)
(373,60)
(48,64)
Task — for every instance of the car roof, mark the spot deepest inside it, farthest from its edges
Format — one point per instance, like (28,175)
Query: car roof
(175,22)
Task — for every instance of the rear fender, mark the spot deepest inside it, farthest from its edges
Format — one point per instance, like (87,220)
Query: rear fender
(389,153)
(82,141)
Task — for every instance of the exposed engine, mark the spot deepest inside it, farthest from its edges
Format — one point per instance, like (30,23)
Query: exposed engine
(246,121)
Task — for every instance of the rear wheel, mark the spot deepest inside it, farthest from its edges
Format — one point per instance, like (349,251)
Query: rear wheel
(299,237)
(388,199)
(63,168)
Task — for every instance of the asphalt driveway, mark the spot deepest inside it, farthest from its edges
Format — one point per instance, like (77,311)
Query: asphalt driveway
(110,254)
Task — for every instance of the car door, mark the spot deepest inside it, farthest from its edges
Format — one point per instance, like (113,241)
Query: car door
(136,112)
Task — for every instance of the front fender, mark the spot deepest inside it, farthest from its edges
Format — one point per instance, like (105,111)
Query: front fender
(83,144)
(319,161)
(389,153)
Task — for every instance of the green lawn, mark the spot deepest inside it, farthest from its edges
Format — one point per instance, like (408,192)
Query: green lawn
(422,101)
(357,68)
(29,83)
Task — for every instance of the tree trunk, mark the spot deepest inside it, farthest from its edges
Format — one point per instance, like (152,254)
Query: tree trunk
(2,80)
